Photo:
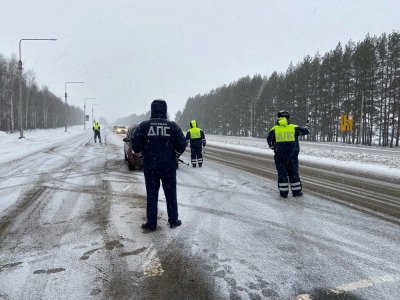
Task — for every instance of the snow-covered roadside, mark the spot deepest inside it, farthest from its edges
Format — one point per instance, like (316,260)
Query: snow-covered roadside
(355,161)
(11,147)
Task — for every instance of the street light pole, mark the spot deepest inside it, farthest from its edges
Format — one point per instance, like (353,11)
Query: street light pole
(66,103)
(92,111)
(21,131)
(84,113)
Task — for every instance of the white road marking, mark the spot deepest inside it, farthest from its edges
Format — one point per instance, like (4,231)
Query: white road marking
(152,265)
(356,285)
(365,283)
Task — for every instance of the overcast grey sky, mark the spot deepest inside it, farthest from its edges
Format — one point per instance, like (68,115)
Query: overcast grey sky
(129,53)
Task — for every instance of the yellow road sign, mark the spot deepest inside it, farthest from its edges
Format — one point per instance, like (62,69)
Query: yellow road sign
(346,123)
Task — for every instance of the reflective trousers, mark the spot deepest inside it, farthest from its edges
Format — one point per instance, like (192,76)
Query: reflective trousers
(195,153)
(287,165)
(167,175)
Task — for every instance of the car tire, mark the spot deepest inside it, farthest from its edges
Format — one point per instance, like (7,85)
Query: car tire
(130,166)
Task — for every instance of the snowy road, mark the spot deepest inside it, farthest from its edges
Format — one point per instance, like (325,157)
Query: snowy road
(70,229)
(372,193)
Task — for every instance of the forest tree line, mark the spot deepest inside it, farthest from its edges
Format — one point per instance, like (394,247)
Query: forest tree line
(40,107)
(362,79)
(135,119)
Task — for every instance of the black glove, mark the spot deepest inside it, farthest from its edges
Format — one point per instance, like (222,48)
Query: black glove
(204,144)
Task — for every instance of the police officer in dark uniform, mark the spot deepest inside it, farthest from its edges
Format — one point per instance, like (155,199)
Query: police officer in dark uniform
(160,142)
(284,140)
(96,130)
(197,142)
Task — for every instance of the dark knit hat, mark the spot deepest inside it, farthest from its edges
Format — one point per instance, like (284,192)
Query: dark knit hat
(158,107)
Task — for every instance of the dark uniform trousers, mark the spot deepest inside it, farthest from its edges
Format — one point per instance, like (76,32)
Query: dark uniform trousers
(153,173)
(195,152)
(287,165)
(97,134)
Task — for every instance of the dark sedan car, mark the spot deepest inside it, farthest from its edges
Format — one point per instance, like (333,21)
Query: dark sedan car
(134,162)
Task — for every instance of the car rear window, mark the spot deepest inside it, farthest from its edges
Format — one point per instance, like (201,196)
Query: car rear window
(132,130)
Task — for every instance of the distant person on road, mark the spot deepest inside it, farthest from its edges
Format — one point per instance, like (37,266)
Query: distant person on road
(160,142)
(197,141)
(284,140)
(96,130)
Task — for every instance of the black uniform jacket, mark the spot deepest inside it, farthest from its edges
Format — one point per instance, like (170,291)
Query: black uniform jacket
(158,140)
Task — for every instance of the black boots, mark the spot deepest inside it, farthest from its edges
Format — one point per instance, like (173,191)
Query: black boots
(147,226)
(171,225)
(176,224)
(297,194)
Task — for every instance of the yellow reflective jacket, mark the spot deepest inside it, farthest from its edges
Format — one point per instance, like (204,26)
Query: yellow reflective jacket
(195,133)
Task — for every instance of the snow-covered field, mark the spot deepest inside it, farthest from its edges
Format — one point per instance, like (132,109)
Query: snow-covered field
(13,148)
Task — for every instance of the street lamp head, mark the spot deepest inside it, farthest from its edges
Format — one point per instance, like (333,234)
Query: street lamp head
(71,82)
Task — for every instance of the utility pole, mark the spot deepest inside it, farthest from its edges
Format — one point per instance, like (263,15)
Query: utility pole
(66,104)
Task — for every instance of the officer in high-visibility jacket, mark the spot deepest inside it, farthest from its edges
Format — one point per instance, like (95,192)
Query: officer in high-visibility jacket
(284,140)
(197,140)
(160,142)
(96,130)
